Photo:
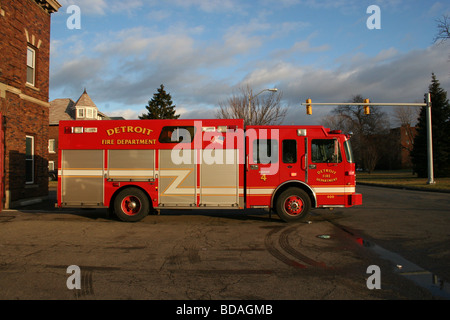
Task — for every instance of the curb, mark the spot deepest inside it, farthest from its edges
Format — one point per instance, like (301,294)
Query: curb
(401,187)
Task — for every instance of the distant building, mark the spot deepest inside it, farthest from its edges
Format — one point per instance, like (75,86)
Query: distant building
(404,135)
(24,88)
(67,109)
(398,144)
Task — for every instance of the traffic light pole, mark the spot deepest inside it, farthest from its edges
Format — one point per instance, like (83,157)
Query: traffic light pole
(309,104)
(429,142)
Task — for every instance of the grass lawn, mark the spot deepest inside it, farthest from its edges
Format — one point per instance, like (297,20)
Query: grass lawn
(402,178)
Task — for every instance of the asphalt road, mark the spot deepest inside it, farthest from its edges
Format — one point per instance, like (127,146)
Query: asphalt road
(239,255)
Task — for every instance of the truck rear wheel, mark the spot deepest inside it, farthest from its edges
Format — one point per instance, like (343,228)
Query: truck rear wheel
(131,205)
(293,205)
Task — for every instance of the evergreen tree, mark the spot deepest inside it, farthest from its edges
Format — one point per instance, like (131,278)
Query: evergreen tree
(160,107)
(440,123)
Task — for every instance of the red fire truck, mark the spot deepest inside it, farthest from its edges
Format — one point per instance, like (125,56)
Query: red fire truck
(134,167)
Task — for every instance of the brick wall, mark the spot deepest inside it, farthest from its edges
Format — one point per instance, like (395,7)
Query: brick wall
(24,23)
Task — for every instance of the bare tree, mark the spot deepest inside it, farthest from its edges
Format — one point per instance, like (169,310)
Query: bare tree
(443,25)
(368,130)
(407,117)
(264,109)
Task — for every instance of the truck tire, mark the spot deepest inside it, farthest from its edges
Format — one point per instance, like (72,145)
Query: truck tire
(131,205)
(293,204)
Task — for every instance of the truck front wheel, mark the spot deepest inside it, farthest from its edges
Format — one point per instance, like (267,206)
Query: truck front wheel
(131,205)
(293,204)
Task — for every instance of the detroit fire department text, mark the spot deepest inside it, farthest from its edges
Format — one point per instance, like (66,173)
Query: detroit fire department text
(134,167)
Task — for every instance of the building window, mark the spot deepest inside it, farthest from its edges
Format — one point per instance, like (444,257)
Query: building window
(80,113)
(91,113)
(31,66)
(29,159)
(51,146)
(51,165)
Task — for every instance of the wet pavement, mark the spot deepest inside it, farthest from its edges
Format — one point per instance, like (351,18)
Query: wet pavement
(241,255)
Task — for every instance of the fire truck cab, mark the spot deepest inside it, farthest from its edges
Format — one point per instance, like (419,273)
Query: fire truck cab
(135,166)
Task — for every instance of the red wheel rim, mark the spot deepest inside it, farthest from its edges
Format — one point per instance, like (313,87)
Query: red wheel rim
(131,205)
(293,205)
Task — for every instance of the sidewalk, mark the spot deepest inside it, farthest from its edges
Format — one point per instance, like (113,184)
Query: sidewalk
(403,187)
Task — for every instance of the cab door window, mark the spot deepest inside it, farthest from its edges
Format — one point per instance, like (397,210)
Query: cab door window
(265,151)
(325,151)
(289,151)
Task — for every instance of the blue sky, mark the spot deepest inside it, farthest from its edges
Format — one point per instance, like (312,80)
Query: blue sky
(203,50)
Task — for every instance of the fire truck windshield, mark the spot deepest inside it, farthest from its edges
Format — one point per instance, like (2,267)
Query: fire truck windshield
(348,151)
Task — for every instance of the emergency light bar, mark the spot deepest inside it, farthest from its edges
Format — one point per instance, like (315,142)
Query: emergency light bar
(79,130)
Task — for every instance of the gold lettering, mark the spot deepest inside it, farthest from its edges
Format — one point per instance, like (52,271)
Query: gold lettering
(128,129)
(147,131)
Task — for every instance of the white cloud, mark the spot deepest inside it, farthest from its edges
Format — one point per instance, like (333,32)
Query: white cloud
(209,5)
(88,7)
(102,7)
(128,114)
(125,67)
(388,77)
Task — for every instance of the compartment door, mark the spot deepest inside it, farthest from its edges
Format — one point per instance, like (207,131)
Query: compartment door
(177,181)
(219,180)
(82,177)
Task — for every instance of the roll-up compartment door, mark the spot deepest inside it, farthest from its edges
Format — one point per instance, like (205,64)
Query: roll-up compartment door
(219,179)
(82,177)
(131,165)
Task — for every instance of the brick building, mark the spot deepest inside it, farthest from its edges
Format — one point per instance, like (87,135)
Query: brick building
(67,109)
(404,136)
(395,148)
(24,90)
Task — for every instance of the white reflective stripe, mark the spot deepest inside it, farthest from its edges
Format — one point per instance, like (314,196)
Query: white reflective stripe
(317,190)
(218,191)
(131,173)
(342,189)
(260,191)
(81,172)
(179,176)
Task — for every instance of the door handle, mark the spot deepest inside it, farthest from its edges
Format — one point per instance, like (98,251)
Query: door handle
(312,166)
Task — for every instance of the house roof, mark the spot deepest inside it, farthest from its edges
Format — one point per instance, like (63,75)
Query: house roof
(65,109)
(61,109)
(85,101)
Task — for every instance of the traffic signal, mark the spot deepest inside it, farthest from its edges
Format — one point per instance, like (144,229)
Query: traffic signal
(308,106)
(366,108)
